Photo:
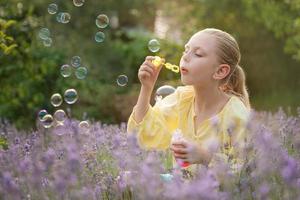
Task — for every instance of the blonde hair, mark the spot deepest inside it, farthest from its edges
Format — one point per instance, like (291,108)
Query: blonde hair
(228,52)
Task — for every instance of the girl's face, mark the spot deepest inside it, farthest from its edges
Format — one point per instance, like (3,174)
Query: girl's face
(199,60)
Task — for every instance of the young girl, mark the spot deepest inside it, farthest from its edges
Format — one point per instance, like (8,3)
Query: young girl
(212,107)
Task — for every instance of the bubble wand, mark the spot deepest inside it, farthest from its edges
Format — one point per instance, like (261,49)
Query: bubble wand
(159,61)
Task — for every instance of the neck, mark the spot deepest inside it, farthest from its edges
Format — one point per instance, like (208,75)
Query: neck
(209,100)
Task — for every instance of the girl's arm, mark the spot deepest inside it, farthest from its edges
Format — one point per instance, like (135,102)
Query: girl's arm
(147,74)
(142,104)
(153,125)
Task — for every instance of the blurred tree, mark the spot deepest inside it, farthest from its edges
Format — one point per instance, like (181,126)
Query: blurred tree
(29,72)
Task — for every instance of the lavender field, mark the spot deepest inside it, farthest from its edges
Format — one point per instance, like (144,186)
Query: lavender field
(104,162)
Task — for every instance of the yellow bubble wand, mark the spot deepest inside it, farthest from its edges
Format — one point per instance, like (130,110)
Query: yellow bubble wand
(159,61)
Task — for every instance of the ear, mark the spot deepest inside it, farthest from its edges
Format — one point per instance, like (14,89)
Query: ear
(221,71)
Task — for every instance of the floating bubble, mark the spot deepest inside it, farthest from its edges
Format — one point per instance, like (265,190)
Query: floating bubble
(154,45)
(66,17)
(164,91)
(44,33)
(59,128)
(41,114)
(81,72)
(56,100)
(60,115)
(76,61)
(59,16)
(122,80)
(84,126)
(70,96)
(47,42)
(99,36)
(102,21)
(47,121)
(66,70)
(78,3)
(52,8)
(63,17)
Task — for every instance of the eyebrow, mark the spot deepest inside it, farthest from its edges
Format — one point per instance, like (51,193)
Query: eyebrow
(196,47)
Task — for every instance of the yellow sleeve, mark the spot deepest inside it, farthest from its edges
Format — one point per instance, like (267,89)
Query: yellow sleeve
(156,128)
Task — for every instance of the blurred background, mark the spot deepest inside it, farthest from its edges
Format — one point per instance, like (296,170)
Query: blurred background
(268,32)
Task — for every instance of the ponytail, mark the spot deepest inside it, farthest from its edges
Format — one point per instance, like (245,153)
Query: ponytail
(236,85)
(228,52)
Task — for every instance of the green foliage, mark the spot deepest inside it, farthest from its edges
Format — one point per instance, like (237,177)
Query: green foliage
(29,72)
(3,143)
(280,17)
(6,42)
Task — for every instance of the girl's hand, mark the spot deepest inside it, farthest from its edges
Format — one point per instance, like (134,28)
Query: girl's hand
(148,73)
(190,152)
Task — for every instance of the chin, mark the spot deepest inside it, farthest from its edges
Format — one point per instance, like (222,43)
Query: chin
(184,81)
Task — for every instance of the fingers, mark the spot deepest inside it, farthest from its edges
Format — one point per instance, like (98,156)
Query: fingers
(147,68)
(144,74)
(181,156)
(150,58)
(179,150)
(182,143)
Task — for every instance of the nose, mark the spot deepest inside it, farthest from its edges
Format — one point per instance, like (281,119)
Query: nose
(185,57)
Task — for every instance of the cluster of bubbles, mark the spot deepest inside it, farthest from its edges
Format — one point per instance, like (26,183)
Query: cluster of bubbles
(70,96)
(102,22)
(61,17)
(45,36)
(80,71)
(59,116)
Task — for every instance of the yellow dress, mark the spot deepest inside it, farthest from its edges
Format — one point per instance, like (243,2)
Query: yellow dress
(176,111)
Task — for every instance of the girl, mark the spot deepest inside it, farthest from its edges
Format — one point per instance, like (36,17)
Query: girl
(212,108)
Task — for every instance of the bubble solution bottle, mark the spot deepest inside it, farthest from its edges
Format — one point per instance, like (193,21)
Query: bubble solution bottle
(177,136)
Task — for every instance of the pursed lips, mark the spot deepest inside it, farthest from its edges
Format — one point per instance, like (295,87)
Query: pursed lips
(183,70)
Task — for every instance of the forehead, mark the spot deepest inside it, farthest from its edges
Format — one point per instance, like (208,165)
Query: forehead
(203,40)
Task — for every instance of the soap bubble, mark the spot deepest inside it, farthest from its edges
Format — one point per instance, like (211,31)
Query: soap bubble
(59,128)
(41,114)
(102,21)
(47,42)
(164,91)
(81,72)
(59,17)
(63,17)
(99,36)
(84,126)
(154,45)
(66,70)
(44,33)
(60,115)
(122,80)
(75,61)
(52,8)
(56,100)
(66,17)
(78,3)
(47,121)
(70,96)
